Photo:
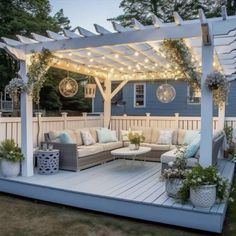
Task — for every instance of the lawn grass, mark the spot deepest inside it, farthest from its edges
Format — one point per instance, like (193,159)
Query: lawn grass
(27,217)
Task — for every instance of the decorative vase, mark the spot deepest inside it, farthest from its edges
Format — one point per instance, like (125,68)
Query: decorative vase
(9,168)
(133,146)
(203,196)
(173,186)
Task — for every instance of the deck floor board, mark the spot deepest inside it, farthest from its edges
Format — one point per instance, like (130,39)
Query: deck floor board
(135,182)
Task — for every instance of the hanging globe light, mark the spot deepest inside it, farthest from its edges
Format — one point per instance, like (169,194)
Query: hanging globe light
(166,93)
(68,87)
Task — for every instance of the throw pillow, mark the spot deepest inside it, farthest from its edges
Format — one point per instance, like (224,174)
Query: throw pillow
(193,147)
(124,135)
(165,137)
(65,138)
(87,138)
(106,135)
(190,135)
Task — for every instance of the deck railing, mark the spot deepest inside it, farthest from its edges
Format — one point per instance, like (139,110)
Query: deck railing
(165,122)
(10,127)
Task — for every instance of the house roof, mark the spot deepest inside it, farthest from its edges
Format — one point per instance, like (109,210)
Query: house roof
(133,53)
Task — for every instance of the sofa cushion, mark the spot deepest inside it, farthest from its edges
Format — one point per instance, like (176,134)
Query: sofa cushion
(170,156)
(65,138)
(192,148)
(84,151)
(79,140)
(181,134)
(190,135)
(175,137)
(157,147)
(93,132)
(124,135)
(165,137)
(106,135)
(155,135)
(110,146)
(87,138)
(54,135)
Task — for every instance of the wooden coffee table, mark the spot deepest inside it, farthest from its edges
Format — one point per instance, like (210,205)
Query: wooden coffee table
(126,152)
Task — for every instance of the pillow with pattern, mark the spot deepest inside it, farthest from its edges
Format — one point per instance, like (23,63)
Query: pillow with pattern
(87,138)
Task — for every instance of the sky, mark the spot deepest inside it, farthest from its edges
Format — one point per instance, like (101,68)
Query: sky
(85,13)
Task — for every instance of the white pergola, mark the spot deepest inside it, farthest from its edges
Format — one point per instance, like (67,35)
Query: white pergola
(131,54)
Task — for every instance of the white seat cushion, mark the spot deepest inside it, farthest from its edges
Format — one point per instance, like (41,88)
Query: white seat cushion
(110,146)
(157,147)
(84,151)
(170,156)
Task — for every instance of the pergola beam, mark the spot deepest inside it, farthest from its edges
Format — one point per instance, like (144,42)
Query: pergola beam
(125,38)
(119,87)
(100,88)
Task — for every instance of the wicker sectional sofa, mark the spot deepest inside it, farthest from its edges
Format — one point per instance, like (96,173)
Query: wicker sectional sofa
(76,156)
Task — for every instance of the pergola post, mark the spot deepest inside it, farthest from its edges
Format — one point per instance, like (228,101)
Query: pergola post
(26,126)
(107,102)
(221,117)
(206,107)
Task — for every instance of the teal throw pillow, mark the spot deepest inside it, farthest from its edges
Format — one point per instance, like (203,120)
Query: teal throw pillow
(105,135)
(65,138)
(190,135)
(192,148)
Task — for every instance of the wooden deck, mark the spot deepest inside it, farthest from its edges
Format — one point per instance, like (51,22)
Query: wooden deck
(130,188)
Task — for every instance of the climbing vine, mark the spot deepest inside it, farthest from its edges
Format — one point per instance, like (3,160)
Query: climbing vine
(36,72)
(180,60)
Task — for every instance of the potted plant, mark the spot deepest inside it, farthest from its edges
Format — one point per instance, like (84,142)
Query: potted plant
(231,145)
(203,186)
(175,174)
(10,155)
(135,140)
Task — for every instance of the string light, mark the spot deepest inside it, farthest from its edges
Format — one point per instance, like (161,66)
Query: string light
(89,53)
(136,54)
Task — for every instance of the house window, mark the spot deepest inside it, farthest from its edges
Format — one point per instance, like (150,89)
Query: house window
(194,95)
(140,95)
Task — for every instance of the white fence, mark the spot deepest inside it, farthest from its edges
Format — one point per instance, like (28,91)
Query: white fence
(11,127)
(165,122)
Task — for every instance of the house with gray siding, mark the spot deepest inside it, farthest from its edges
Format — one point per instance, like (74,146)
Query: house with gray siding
(139,98)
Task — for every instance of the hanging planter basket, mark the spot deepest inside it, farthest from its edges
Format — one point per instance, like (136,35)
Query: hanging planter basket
(90,90)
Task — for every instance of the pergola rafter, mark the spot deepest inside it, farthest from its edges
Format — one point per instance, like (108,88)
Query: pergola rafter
(131,54)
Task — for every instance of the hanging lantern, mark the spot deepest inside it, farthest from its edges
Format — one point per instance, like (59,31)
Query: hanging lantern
(68,87)
(165,93)
(90,89)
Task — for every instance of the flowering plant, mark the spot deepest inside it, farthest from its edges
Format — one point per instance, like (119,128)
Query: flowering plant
(16,85)
(199,176)
(10,151)
(218,83)
(177,168)
(135,138)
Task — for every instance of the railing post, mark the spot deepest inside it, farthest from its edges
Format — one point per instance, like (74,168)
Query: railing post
(39,131)
(85,115)
(148,119)
(64,116)
(101,120)
(176,120)
(0,114)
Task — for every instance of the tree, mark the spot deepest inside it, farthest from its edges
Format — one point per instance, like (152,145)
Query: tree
(163,9)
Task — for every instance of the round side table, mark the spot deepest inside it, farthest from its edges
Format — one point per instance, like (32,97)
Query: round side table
(48,161)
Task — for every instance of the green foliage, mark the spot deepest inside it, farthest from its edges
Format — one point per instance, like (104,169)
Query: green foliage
(163,9)
(135,138)
(23,17)
(180,59)
(10,151)
(37,71)
(199,176)
(178,167)
(229,136)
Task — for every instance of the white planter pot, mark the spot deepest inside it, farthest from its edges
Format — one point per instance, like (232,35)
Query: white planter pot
(203,196)
(9,168)
(173,186)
